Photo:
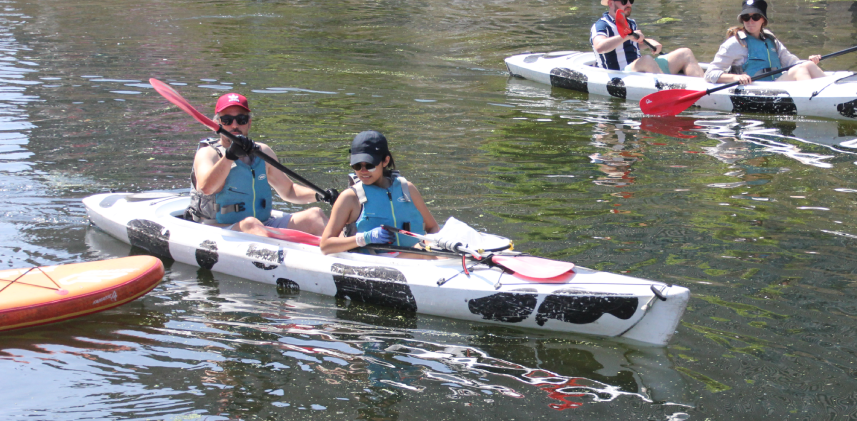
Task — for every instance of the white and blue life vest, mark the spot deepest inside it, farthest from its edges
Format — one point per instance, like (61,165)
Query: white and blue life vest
(762,57)
(620,57)
(392,207)
(245,192)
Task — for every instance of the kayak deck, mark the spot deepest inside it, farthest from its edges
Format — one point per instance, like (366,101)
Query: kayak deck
(586,301)
(833,96)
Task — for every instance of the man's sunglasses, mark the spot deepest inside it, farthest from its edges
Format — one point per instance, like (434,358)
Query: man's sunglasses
(369,167)
(241,119)
(755,17)
(624,2)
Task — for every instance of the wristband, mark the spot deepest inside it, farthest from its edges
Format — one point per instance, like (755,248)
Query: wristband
(361,239)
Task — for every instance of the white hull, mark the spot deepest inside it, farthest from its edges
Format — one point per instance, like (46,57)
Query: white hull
(834,96)
(587,302)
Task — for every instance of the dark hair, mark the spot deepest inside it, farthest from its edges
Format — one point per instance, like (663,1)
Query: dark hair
(388,170)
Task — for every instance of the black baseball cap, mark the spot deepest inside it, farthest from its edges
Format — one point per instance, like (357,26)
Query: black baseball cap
(369,146)
(748,7)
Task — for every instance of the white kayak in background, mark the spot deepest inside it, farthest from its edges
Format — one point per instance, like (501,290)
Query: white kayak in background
(834,96)
(580,300)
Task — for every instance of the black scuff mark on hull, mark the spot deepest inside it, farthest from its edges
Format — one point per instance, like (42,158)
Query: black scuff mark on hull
(288,285)
(150,236)
(374,285)
(764,101)
(206,254)
(580,307)
(616,88)
(848,109)
(569,79)
(504,307)
(270,259)
(662,85)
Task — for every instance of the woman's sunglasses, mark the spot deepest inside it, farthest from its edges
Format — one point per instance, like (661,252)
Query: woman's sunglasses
(369,167)
(241,119)
(754,16)
(624,2)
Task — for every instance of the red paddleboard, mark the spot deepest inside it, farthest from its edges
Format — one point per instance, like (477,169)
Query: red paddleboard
(48,294)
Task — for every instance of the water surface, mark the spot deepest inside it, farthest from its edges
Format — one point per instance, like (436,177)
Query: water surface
(752,213)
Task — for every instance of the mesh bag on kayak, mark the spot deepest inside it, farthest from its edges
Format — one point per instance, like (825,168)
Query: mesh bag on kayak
(455,231)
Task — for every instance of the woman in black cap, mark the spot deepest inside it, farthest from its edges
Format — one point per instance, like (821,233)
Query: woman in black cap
(751,49)
(378,197)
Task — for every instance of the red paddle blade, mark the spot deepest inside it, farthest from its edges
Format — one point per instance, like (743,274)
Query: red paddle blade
(669,102)
(622,24)
(294,236)
(533,267)
(171,95)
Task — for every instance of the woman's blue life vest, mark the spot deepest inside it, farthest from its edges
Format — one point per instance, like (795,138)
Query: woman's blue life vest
(245,192)
(392,207)
(762,57)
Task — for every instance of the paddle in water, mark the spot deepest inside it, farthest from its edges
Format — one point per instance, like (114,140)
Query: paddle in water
(527,266)
(625,29)
(673,101)
(173,96)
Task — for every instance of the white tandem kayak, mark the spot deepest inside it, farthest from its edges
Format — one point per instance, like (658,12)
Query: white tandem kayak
(581,301)
(833,96)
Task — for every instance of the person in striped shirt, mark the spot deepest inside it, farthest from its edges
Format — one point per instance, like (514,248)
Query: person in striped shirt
(616,52)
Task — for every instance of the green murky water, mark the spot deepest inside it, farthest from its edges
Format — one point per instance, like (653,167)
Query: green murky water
(752,213)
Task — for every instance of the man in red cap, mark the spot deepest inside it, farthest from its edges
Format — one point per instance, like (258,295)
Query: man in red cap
(232,188)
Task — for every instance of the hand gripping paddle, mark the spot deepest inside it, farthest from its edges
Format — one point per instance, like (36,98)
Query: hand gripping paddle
(673,101)
(625,29)
(171,95)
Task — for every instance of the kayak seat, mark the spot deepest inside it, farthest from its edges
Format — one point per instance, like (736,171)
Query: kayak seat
(294,236)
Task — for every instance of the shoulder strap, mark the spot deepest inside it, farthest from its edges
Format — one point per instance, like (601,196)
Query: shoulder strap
(405,191)
(361,194)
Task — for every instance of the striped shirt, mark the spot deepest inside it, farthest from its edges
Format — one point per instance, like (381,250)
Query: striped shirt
(620,57)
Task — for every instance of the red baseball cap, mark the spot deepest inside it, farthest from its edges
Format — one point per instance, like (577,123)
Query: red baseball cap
(229,100)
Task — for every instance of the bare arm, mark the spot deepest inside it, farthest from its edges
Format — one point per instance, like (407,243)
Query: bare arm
(282,184)
(602,44)
(210,170)
(345,211)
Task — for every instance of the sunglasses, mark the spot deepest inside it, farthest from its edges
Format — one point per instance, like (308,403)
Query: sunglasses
(624,2)
(361,165)
(755,17)
(241,119)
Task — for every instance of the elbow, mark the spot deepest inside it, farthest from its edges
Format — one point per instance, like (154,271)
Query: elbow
(206,189)
(327,247)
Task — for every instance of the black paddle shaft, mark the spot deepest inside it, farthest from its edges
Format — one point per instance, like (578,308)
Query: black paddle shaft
(273,162)
(774,72)
(634,34)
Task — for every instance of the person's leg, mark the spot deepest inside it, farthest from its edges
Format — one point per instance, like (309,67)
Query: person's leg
(683,60)
(311,220)
(251,225)
(804,71)
(644,64)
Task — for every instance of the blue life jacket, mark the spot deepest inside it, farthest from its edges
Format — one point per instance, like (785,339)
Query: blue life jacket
(392,207)
(762,57)
(245,192)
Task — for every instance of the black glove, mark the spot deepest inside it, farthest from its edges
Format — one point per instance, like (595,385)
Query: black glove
(329,196)
(242,146)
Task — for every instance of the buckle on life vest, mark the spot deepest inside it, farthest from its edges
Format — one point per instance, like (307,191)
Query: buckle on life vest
(238,207)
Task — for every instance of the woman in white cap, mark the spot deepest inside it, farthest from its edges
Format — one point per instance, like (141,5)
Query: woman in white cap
(751,49)
(377,198)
